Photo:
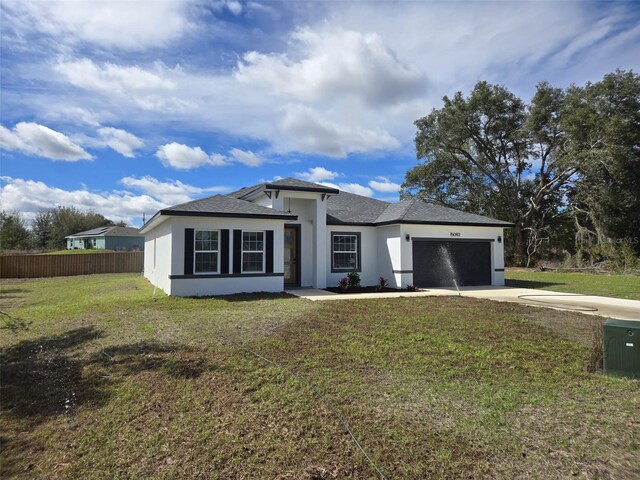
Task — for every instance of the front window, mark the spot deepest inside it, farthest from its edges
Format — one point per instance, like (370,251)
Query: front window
(206,252)
(344,251)
(252,252)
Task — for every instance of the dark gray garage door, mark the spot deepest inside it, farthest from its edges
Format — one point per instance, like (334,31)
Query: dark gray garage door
(437,263)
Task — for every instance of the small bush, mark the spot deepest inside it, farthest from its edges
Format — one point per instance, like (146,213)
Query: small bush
(596,361)
(343,283)
(353,279)
(411,288)
(382,283)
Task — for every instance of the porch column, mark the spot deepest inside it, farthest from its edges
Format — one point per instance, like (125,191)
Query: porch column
(320,244)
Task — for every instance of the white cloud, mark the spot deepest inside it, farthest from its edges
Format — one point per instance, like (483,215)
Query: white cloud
(334,64)
(308,131)
(121,141)
(72,114)
(159,94)
(130,25)
(35,139)
(317,174)
(246,157)
(350,188)
(112,79)
(383,184)
(354,80)
(501,42)
(234,7)
(29,197)
(153,89)
(183,157)
(170,192)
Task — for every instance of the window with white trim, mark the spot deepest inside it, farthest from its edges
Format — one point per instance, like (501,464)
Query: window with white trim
(252,252)
(206,251)
(345,249)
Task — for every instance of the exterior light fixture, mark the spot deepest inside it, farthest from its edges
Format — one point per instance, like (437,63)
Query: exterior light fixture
(499,238)
(407,237)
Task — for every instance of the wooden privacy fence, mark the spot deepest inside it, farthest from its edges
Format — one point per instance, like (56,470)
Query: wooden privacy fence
(32,266)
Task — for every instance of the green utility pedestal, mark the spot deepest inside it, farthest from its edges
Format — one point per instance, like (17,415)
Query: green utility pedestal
(622,348)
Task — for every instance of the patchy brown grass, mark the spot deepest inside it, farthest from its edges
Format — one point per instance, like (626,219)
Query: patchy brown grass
(105,380)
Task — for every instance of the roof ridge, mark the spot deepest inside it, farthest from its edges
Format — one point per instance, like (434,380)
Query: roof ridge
(391,205)
(198,200)
(409,203)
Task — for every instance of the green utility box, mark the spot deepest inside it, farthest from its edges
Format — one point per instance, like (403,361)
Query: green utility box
(622,348)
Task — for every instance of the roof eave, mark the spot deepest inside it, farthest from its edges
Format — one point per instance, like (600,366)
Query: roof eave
(152,222)
(426,222)
(84,236)
(178,213)
(359,224)
(252,194)
(185,213)
(271,186)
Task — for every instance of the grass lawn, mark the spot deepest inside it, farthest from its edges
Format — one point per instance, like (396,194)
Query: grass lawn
(620,286)
(104,378)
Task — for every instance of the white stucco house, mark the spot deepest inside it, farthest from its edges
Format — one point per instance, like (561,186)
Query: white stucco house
(291,233)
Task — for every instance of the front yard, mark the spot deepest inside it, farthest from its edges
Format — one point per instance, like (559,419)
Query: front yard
(103,377)
(606,285)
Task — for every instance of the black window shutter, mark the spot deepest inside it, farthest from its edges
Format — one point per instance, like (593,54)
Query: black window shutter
(224,251)
(188,251)
(269,252)
(237,251)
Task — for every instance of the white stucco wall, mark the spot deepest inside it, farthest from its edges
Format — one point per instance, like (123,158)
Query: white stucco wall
(203,287)
(389,254)
(444,232)
(170,257)
(157,245)
(312,214)
(299,208)
(264,201)
(369,268)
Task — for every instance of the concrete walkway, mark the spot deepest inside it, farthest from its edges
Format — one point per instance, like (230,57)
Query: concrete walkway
(589,304)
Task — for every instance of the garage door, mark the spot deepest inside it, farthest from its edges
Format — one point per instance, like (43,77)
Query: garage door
(438,263)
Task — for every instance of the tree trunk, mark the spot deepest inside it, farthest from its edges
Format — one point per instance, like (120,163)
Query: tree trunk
(520,244)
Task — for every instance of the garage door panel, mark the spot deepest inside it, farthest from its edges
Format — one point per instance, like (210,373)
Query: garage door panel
(434,261)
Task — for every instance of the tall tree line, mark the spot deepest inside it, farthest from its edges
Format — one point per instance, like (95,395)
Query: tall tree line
(564,168)
(48,228)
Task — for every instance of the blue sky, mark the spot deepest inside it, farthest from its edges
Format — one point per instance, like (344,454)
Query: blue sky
(127,107)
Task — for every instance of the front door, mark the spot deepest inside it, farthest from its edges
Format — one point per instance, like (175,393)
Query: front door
(291,250)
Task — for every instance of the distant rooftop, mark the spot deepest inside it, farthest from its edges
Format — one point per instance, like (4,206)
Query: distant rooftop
(112,231)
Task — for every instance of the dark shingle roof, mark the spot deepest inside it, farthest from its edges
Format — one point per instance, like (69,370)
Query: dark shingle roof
(417,211)
(348,208)
(284,184)
(351,208)
(113,231)
(225,206)
(342,208)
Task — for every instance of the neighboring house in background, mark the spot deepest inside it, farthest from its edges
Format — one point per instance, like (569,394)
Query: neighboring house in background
(107,238)
(290,233)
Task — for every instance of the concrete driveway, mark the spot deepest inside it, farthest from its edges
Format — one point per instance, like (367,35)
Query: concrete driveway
(589,304)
